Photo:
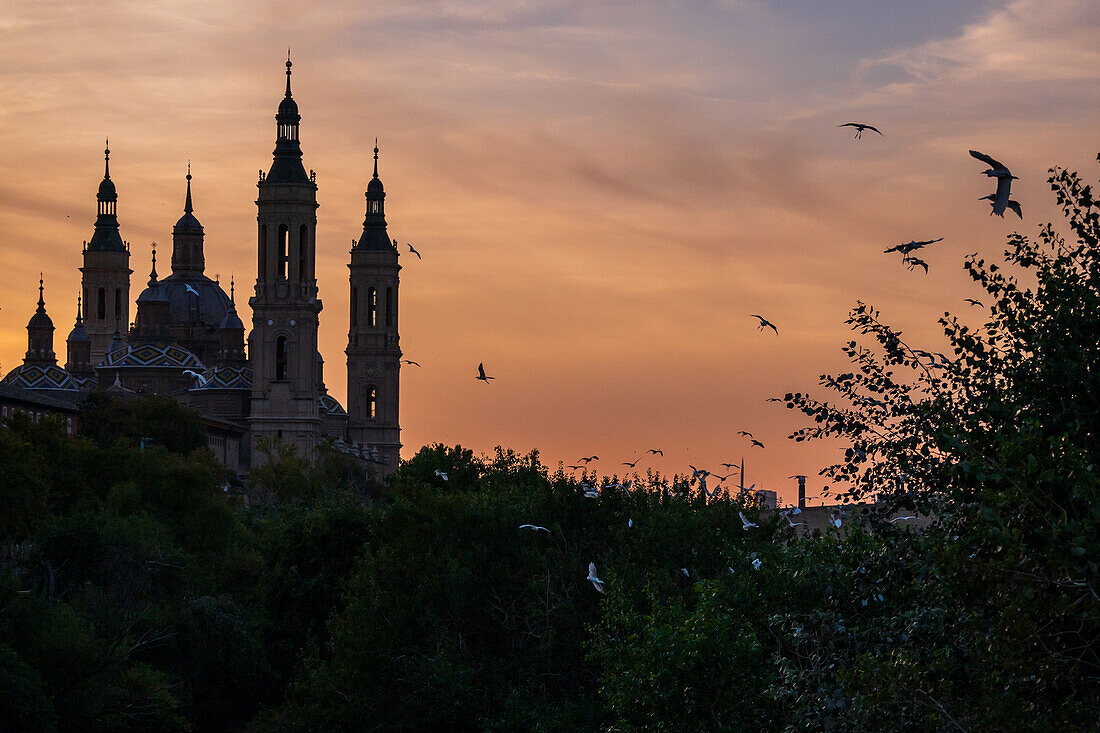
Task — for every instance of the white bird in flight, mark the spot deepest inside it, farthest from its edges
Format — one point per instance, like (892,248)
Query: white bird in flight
(191,290)
(534,528)
(746,524)
(902,519)
(195,375)
(596,582)
(1000,198)
(442,474)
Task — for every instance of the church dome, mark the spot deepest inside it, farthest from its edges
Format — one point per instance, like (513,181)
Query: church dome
(79,334)
(231,321)
(40,319)
(195,300)
(288,106)
(153,355)
(41,377)
(107,190)
(329,406)
(375,186)
(188,223)
(152,293)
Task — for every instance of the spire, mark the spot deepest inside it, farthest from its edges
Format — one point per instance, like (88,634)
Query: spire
(288,65)
(106,236)
(187,208)
(40,334)
(79,313)
(232,294)
(153,273)
(375,158)
(107,159)
(41,300)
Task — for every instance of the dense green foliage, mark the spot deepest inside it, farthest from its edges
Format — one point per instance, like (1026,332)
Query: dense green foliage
(137,593)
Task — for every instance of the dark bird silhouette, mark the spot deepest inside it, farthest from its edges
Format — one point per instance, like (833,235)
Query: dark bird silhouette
(656,452)
(757,443)
(764,323)
(999,200)
(746,433)
(481,374)
(410,361)
(860,127)
(971,301)
(910,246)
(911,263)
(413,250)
(573,468)
(632,465)
(586,460)
(731,466)
(798,475)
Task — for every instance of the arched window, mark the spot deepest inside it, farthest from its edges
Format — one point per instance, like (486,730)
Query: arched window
(354,306)
(372,307)
(390,316)
(101,304)
(283,236)
(303,252)
(118,303)
(280,358)
(372,402)
(263,252)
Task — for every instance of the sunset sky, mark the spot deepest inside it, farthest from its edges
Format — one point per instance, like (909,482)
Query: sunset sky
(602,192)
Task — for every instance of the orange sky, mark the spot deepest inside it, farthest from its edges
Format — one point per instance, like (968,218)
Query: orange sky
(600,197)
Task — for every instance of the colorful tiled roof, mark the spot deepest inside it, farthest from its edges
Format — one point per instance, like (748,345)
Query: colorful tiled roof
(38,377)
(153,355)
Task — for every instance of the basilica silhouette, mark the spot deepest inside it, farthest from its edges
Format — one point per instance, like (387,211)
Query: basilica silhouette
(187,341)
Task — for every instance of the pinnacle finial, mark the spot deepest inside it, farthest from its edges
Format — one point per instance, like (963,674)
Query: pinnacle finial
(187,208)
(79,312)
(288,65)
(153,273)
(107,158)
(376,157)
(232,292)
(41,301)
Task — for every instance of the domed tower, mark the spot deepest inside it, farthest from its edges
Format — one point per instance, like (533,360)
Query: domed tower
(187,236)
(79,349)
(285,307)
(374,353)
(106,271)
(151,323)
(40,335)
(231,335)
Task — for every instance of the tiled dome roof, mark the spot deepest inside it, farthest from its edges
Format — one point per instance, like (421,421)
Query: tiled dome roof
(39,377)
(153,355)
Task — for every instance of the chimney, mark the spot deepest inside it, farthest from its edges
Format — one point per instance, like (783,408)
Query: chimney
(801,492)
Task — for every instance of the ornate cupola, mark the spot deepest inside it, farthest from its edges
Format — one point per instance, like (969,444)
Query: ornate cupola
(151,324)
(231,334)
(286,166)
(373,351)
(79,345)
(187,239)
(40,335)
(106,272)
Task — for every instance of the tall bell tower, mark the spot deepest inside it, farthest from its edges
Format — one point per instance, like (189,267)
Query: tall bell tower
(106,272)
(374,352)
(285,306)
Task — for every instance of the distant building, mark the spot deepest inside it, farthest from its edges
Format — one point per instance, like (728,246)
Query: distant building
(187,341)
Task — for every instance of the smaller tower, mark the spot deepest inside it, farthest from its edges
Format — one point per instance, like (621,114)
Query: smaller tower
(40,335)
(106,271)
(79,345)
(187,238)
(374,353)
(231,334)
(151,324)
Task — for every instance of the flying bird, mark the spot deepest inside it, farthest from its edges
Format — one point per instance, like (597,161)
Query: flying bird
(756,563)
(793,524)
(911,246)
(757,443)
(745,433)
(860,127)
(764,323)
(534,528)
(410,361)
(835,520)
(630,524)
(999,200)
(573,468)
(731,466)
(591,492)
(746,524)
(442,474)
(656,452)
(902,519)
(586,460)
(481,374)
(195,375)
(685,572)
(191,290)
(912,263)
(596,582)
(798,475)
(413,251)
(632,465)
(971,301)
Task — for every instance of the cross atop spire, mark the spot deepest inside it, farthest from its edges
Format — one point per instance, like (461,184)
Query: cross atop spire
(232,294)
(376,157)
(187,208)
(79,312)
(107,158)
(288,65)
(41,301)
(153,274)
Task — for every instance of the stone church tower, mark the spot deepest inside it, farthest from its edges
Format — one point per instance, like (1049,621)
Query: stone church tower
(106,271)
(285,307)
(374,354)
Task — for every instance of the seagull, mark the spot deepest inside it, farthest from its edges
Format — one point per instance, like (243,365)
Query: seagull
(971,301)
(902,519)
(656,452)
(534,528)
(622,485)
(910,246)
(410,361)
(587,459)
(723,478)
(764,323)
(413,251)
(731,466)
(798,475)
(745,433)
(860,127)
(1000,199)
(685,572)
(481,374)
(835,520)
(442,474)
(596,582)
(756,563)
(630,524)
(757,443)
(591,492)
(191,290)
(793,524)
(912,263)
(574,468)
(745,522)
(697,472)
(195,375)
(632,465)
